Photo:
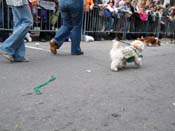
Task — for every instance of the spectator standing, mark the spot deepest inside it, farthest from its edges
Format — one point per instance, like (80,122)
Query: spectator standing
(107,13)
(171,19)
(110,18)
(128,13)
(135,17)
(121,13)
(164,19)
(71,14)
(13,48)
(88,16)
(88,5)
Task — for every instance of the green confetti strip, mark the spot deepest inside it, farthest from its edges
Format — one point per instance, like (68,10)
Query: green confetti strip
(37,88)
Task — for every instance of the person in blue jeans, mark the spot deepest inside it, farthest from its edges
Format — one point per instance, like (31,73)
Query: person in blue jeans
(71,14)
(13,48)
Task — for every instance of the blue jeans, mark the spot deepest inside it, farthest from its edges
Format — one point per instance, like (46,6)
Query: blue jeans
(22,22)
(71,14)
(109,23)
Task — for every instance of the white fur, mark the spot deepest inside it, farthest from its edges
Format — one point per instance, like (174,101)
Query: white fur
(118,57)
(87,38)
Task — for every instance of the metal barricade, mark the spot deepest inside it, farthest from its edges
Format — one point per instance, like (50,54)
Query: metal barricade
(96,21)
(45,18)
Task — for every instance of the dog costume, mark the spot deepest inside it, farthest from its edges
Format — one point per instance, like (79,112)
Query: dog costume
(130,53)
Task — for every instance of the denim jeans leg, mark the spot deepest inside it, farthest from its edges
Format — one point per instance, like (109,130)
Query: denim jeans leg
(62,34)
(23,21)
(76,31)
(65,28)
(20,52)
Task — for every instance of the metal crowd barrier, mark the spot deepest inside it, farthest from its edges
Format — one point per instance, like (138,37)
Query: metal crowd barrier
(48,20)
(95,22)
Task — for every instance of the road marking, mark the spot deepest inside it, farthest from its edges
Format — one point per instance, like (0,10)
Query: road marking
(36,48)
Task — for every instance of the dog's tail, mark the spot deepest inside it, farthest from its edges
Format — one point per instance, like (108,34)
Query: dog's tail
(116,44)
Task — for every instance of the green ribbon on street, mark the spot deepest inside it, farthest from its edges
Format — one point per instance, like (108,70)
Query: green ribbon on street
(37,88)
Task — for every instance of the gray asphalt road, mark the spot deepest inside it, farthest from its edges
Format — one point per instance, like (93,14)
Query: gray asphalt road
(87,95)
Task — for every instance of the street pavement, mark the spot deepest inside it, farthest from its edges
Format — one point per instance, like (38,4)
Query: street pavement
(87,95)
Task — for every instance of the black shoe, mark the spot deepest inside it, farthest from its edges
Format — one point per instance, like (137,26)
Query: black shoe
(79,53)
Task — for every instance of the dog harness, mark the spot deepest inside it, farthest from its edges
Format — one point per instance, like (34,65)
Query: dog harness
(130,53)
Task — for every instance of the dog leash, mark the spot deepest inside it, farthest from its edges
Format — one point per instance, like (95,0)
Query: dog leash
(123,42)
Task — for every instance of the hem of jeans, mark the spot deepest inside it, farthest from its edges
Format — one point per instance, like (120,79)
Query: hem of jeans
(58,43)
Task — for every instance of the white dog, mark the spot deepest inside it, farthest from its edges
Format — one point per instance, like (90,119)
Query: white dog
(121,55)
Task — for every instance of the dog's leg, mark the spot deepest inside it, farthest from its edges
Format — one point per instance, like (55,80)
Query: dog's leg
(114,66)
(138,61)
(150,44)
(124,63)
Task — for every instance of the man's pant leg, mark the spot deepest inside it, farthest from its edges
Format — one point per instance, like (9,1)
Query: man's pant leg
(22,23)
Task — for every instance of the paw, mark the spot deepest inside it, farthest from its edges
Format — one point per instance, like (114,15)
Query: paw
(138,63)
(124,64)
(114,69)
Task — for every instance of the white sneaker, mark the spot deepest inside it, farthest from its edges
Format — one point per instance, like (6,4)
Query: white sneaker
(28,37)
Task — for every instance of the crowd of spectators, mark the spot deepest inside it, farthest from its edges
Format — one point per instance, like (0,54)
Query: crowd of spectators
(134,16)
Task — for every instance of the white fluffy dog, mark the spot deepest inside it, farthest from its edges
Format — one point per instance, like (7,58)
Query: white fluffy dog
(120,55)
